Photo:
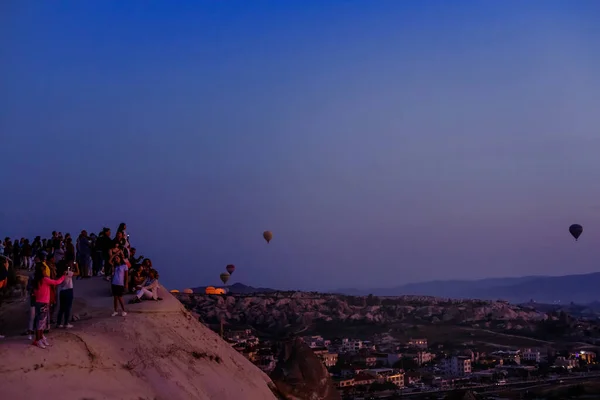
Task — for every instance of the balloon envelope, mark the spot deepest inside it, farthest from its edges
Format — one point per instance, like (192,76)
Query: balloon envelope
(174,291)
(188,291)
(576,230)
(212,290)
(230,268)
(224,277)
(268,235)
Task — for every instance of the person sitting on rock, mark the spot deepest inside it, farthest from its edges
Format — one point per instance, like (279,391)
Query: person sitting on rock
(149,290)
(138,277)
(133,259)
(147,265)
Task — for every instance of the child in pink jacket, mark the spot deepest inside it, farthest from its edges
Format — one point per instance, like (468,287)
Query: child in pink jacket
(41,289)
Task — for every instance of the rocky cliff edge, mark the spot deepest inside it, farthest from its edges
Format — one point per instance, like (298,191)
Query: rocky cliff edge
(158,351)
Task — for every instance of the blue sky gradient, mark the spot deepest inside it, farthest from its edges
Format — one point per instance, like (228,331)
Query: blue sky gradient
(382,142)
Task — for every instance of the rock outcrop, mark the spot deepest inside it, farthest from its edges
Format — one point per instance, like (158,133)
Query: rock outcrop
(158,351)
(277,311)
(301,375)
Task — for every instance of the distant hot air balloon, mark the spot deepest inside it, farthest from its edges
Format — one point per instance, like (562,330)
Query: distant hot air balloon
(188,291)
(576,230)
(230,268)
(174,291)
(224,277)
(212,290)
(268,235)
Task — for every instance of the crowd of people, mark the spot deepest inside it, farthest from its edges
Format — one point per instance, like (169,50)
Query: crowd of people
(53,264)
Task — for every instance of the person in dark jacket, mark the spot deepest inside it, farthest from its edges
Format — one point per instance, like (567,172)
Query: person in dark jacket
(103,246)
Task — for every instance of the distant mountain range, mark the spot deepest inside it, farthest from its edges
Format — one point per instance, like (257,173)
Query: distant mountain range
(581,289)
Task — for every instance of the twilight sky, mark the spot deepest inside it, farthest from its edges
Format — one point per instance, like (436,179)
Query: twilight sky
(383,142)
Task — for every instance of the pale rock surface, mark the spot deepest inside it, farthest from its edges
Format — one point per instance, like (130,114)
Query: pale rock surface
(157,352)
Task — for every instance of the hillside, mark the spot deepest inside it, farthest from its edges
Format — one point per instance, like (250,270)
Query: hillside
(301,308)
(580,289)
(158,351)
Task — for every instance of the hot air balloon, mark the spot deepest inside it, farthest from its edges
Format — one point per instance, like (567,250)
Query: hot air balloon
(188,291)
(212,290)
(174,291)
(576,230)
(230,268)
(224,277)
(268,235)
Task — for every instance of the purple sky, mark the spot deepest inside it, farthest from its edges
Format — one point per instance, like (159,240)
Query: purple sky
(383,142)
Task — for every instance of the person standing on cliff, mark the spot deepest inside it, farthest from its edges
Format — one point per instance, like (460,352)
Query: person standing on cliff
(69,269)
(123,229)
(119,285)
(41,286)
(84,254)
(3,275)
(103,245)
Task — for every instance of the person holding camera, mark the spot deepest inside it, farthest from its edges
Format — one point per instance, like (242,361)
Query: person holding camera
(69,269)
(41,287)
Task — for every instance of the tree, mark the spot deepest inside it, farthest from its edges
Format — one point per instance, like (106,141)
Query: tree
(406,363)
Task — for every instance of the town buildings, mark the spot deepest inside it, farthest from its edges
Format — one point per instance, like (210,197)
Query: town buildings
(456,366)
(359,364)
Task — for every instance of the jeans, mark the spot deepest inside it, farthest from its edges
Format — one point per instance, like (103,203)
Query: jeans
(97,262)
(85,265)
(108,268)
(41,321)
(66,303)
(146,294)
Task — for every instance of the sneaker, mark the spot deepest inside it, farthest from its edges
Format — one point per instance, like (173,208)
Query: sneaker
(39,344)
(45,341)
(123,314)
(29,337)
(2,336)
(114,314)
(60,326)
(68,326)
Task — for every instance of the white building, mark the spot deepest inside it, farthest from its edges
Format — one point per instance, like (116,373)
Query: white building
(351,345)
(316,341)
(329,358)
(567,363)
(421,357)
(456,366)
(531,355)
(388,375)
